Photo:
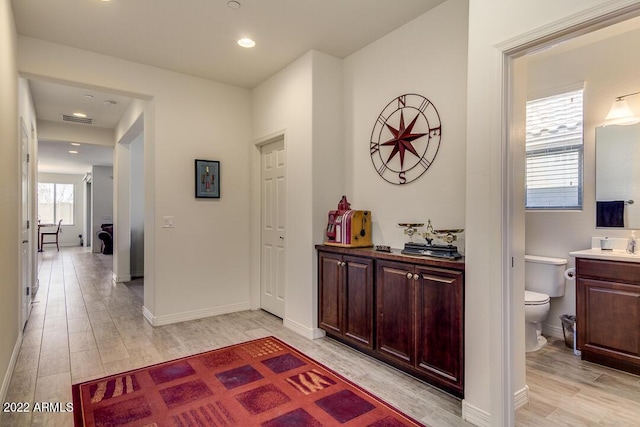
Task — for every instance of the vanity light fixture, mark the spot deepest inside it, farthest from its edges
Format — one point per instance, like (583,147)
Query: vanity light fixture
(75,144)
(246,42)
(81,115)
(73,152)
(620,113)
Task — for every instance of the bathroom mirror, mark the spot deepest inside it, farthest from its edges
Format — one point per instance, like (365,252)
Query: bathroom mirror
(618,170)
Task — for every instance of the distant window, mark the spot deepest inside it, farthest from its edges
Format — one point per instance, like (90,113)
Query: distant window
(554,152)
(55,203)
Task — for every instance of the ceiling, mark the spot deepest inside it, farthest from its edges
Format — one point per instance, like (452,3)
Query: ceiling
(51,102)
(198,37)
(195,37)
(54,157)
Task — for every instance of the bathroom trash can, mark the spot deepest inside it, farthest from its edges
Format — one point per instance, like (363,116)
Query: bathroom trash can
(568,328)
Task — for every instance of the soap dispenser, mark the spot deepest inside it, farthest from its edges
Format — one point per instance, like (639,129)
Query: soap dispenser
(632,245)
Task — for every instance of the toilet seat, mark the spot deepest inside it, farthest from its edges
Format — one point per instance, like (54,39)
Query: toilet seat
(535,298)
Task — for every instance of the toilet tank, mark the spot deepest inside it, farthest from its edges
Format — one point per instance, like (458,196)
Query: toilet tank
(544,275)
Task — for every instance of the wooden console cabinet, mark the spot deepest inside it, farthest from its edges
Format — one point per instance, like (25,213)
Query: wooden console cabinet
(406,311)
(345,287)
(608,312)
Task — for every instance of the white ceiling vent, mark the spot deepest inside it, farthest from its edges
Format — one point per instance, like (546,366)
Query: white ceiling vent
(74,119)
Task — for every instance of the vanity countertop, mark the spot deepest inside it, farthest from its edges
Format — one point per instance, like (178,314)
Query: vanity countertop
(611,255)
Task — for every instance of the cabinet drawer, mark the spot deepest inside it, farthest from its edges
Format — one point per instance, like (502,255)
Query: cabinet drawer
(615,271)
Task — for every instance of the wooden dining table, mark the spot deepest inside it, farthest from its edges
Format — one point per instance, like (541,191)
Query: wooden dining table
(40,249)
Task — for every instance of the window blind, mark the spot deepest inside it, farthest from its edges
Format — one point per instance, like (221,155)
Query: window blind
(554,135)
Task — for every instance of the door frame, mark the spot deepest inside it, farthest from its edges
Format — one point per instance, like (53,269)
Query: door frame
(256,212)
(25,300)
(573,26)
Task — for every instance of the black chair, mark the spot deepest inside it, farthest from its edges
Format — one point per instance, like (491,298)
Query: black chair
(51,233)
(107,241)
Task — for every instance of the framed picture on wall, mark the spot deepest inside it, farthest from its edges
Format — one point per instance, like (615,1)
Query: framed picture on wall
(207,179)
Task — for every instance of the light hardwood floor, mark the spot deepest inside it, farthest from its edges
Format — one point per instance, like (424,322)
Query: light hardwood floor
(83,327)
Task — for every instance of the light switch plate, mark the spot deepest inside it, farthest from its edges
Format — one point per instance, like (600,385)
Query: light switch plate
(167,222)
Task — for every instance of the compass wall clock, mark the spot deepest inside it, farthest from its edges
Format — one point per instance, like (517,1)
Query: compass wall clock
(405,138)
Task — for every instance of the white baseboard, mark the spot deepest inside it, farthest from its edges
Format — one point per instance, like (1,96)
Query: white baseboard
(553,331)
(521,398)
(311,333)
(475,416)
(121,279)
(193,315)
(148,315)
(480,418)
(12,364)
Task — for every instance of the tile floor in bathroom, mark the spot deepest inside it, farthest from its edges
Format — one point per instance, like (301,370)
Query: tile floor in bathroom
(84,327)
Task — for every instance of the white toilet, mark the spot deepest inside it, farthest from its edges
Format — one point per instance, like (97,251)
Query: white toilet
(543,278)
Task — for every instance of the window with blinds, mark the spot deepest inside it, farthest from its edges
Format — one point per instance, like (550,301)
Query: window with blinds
(554,152)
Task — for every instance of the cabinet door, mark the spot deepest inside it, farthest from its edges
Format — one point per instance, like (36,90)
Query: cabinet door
(330,292)
(358,301)
(609,319)
(394,303)
(439,303)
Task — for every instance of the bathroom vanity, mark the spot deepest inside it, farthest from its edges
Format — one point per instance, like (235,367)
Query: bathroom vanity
(404,310)
(608,307)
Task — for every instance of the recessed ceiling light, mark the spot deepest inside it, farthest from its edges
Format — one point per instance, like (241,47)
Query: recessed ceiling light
(246,42)
(110,103)
(82,115)
(233,4)
(75,143)
(73,151)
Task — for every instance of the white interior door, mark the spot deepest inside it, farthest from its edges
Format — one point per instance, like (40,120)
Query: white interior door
(25,261)
(272,256)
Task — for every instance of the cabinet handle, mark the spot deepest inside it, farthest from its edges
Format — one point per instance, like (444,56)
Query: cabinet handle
(409,275)
(416,276)
(440,279)
(342,264)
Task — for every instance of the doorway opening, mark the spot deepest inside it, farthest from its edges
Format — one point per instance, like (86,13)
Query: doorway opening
(516,90)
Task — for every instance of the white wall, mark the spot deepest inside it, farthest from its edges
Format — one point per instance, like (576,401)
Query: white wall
(101,202)
(303,102)
(495,25)
(608,70)
(69,233)
(9,191)
(428,56)
(201,267)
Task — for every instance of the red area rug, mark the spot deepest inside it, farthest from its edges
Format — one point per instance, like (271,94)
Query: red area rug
(258,383)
